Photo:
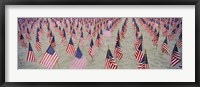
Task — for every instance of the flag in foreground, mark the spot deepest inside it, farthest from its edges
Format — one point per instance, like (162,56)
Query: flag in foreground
(91,49)
(179,42)
(31,55)
(70,48)
(110,63)
(79,61)
(144,62)
(37,44)
(22,41)
(175,58)
(118,51)
(50,58)
(138,54)
(165,46)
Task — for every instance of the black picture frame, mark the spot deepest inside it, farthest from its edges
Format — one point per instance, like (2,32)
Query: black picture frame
(98,2)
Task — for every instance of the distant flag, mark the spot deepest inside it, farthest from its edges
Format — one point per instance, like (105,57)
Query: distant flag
(122,33)
(175,58)
(79,62)
(28,35)
(53,43)
(138,54)
(70,47)
(48,33)
(138,41)
(143,64)
(118,36)
(31,55)
(23,42)
(63,42)
(155,39)
(32,28)
(81,40)
(179,42)
(39,32)
(165,46)
(101,32)
(98,40)
(50,58)
(81,29)
(74,35)
(165,30)
(91,49)
(89,35)
(94,31)
(107,32)
(60,32)
(37,44)
(56,27)
(19,34)
(23,29)
(110,63)
(118,51)
(171,36)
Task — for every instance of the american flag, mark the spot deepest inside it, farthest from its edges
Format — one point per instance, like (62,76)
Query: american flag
(98,40)
(91,49)
(118,36)
(175,58)
(155,39)
(101,32)
(138,54)
(37,44)
(165,46)
(179,42)
(70,48)
(31,55)
(89,35)
(122,33)
(48,33)
(118,51)
(50,58)
(64,41)
(19,34)
(56,27)
(107,32)
(81,40)
(165,30)
(28,35)
(144,62)
(22,41)
(39,32)
(60,32)
(171,36)
(109,61)
(53,43)
(74,35)
(23,29)
(94,32)
(81,29)
(79,62)
(138,41)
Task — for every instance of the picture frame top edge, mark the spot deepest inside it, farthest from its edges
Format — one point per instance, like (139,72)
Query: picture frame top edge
(100,2)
